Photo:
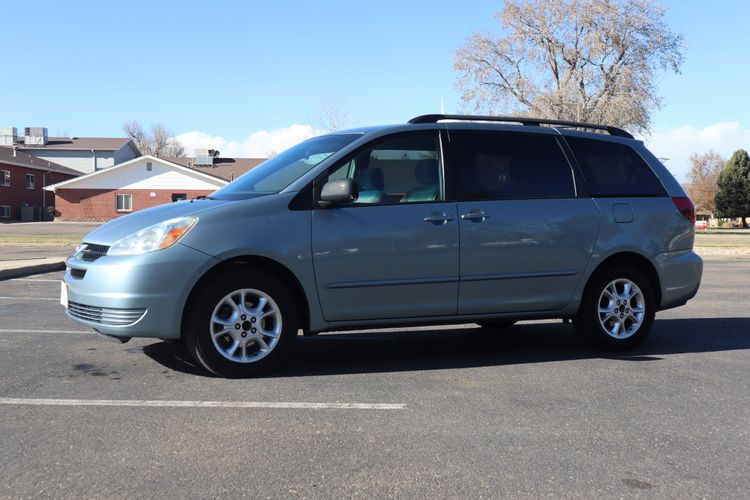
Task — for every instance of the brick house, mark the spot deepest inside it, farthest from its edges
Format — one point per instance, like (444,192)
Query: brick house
(140,183)
(22,181)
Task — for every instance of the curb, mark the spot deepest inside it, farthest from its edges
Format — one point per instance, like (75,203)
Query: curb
(17,272)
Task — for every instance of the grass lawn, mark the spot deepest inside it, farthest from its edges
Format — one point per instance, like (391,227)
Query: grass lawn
(714,238)
(35,239)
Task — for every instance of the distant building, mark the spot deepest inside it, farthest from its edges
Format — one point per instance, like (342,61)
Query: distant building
(22,181)
(209,161)
(141,183)
(84,154)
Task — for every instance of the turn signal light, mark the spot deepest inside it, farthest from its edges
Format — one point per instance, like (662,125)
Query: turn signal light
(172,236)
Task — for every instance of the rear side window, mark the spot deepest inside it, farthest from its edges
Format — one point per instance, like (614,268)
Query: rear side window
(612,169)
(492,166)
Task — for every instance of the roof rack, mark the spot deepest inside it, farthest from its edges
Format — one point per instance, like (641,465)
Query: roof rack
(531,122)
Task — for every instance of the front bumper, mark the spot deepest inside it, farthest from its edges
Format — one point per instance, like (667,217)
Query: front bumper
(680,275)
(135,295)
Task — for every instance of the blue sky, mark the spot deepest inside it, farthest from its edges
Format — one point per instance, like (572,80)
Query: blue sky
(234,74)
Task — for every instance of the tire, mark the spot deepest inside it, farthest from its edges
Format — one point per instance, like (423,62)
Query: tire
(264,319)
(497,325)
(621,325)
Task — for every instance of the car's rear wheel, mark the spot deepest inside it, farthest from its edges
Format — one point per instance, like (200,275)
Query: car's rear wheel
(617,309)
(240,323)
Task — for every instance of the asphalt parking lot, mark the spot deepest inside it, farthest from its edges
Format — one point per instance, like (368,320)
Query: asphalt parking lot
(446,412)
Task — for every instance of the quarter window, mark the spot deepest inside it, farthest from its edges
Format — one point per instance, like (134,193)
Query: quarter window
(30,181)
(4,177)
(402,169)
(500,166)
(124,202)
(613,169)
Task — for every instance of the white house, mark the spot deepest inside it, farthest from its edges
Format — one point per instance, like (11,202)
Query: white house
(140,183)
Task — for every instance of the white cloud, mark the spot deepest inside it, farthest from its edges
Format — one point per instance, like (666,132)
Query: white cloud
(261,144)
(676,144)
(679,143)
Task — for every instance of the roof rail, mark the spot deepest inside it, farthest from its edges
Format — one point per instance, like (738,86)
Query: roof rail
(532,122)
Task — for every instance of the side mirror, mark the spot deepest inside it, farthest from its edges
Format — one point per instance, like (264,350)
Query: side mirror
(337,192)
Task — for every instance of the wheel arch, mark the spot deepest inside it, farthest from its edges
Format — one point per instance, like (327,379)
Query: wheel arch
(267,265)
(635,260)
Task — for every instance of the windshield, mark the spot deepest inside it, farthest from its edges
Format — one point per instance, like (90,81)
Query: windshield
(276,173)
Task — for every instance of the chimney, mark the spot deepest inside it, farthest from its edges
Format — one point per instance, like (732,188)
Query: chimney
(15,148)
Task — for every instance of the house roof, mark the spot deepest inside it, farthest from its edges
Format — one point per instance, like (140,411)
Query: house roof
(21,159)
(81,143)
(223,168)
(192,171)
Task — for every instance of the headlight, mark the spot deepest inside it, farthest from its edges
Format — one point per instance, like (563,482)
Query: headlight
(156,237)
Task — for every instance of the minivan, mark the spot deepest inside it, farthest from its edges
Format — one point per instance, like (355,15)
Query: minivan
(445,219)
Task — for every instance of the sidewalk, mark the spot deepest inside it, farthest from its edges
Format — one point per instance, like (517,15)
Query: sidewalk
(48,229)
(38,247)
(23,260)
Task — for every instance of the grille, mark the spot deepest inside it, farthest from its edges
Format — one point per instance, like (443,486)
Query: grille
(105,315)
(90,252)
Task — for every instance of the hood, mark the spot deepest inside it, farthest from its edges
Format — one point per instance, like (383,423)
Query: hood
(116,229)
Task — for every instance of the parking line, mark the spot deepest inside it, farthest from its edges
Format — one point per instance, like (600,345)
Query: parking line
(202,404)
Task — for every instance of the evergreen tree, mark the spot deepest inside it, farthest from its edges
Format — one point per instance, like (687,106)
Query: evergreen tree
(733,196)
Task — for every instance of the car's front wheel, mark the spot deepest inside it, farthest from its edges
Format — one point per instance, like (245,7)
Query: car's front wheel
(617,309)
(240,323)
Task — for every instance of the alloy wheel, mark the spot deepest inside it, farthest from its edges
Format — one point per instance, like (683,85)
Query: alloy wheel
(622,308)
(245,325)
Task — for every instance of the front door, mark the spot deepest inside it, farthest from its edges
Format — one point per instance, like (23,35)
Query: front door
(525,236)
(393,253)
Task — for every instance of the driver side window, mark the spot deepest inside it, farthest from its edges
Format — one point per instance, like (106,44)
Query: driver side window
(401,169)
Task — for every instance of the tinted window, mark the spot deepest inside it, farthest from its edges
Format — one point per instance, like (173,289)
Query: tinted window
(493,165)
(401,169)
(612,169)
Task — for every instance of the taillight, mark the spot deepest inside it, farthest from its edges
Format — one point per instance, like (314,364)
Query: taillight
(685,206)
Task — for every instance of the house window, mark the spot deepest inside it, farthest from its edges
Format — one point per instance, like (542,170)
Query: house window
(149,167)
(179,197)
(124,202)
(4,177)
(4,212)
(30,181)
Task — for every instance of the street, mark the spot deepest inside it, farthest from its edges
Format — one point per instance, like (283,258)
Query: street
(425,412)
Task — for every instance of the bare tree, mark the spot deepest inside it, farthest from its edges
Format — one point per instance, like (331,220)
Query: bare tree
(332,116)
(704,179)
(583,60)
(134,130)
(159,141)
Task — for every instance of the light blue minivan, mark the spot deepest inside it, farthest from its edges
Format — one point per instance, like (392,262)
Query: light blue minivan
(445,219)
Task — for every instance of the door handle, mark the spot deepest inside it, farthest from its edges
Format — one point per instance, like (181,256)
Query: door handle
(475,216)
(438,218)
